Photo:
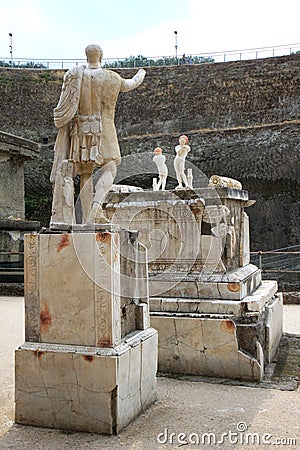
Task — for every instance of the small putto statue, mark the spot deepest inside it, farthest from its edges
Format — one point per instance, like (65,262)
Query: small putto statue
(179,162)
(160,160)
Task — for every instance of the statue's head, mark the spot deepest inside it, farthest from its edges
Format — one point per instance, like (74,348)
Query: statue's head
(157,151)
(183,139)
(93,52)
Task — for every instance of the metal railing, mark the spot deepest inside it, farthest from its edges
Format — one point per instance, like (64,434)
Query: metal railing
(281,264)
(223,56)
(278,260)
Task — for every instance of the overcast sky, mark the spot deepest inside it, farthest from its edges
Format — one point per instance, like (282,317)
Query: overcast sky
(63,28)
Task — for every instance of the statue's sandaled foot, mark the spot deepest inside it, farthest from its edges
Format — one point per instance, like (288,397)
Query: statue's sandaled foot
(97,215)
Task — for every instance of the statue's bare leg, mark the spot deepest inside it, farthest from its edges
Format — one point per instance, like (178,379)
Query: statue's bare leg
(103,186)
(184,178)
(86,195)
(179,180)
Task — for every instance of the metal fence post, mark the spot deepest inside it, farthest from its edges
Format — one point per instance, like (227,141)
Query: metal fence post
(260,259)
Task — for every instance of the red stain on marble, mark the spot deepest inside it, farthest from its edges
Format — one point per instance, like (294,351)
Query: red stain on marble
(228,326)
(45,319)
(89,358)
(38,353)
(233,287)
(102,237)
(104,342)
(64,242)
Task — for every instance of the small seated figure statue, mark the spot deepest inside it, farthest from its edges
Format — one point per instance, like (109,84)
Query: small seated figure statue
(160,160)
(179,162)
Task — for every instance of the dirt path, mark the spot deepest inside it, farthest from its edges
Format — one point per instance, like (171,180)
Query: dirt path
(191,408)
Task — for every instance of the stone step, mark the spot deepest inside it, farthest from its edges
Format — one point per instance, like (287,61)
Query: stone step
(254,302)
(234,285)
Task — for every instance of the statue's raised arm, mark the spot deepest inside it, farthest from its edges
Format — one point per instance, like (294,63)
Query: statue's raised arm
(133,82)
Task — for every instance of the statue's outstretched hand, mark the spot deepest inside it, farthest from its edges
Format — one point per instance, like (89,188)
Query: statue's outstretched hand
(134,82)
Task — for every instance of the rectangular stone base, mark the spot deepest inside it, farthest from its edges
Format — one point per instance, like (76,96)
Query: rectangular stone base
(204,347)
(218,338)
(234,285)
(255,302)
(89,389)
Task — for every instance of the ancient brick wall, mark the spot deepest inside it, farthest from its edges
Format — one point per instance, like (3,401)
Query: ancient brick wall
(242,119)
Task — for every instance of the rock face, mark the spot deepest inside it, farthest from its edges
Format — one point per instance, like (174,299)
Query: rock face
(242,120)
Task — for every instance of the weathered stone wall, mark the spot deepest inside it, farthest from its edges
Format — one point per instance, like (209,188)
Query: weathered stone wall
(242,119)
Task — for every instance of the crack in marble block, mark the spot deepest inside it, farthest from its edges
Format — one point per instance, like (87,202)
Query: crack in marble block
(204,346)
(86,388)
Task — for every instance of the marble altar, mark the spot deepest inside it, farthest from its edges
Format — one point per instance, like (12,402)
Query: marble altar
(214,314)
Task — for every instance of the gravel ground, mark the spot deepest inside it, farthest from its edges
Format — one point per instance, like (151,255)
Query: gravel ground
(269,417)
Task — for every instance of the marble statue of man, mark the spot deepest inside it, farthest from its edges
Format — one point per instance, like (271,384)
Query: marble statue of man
(160,160)
(179,162)
(87,136)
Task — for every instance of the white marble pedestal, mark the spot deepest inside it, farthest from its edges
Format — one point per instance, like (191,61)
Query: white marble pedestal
(86,388)
(213,313)
(221,337)
(80,368)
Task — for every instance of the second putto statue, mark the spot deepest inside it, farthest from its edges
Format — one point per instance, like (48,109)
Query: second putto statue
(179,162)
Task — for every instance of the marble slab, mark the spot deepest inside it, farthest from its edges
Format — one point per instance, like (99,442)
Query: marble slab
(254,302)
(78,288)
(274,325)
(261,296)
(201,306)
(245,240)
(85,288)
(204,346)
(234,285)
(187,230)
(91,389)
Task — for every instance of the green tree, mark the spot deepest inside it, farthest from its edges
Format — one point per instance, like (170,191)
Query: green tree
(142,61)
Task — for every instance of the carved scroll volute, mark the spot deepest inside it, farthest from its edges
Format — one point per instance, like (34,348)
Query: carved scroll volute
(31,288)
(107,291)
